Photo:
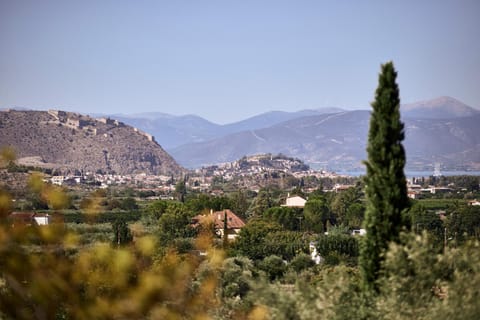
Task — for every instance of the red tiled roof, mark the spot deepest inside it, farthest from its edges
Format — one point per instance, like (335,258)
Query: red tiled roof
(233,221)
(22,217)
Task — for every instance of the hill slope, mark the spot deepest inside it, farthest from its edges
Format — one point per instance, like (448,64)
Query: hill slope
(72,141)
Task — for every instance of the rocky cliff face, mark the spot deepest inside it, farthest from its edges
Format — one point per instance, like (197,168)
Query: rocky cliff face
(71,141)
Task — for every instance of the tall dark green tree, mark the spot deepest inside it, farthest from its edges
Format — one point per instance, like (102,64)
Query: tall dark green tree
(385,183)
(181,190)
(121,232)
(225,230)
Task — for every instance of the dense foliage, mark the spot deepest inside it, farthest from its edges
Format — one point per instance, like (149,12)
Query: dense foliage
(337,246)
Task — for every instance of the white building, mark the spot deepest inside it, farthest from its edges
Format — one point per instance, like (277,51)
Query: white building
(474,203)
(296,201)
(359,232)
(58,180)
(42,220)
(314,253)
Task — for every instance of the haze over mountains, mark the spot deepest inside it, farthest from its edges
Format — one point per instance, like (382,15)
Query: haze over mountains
(441,130)
(175,131)
(440,108)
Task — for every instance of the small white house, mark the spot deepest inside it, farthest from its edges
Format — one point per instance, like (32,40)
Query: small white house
(314,253)
(30,218)
(42,219)
(296,201)
(58,180)
(474,203)
(359,232)
(414,194)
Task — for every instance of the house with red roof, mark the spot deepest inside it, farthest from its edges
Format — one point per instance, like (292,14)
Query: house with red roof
(29,218)
(233,222)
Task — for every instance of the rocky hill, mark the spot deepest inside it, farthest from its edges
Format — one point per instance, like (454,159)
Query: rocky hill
(267,162)
(70,141)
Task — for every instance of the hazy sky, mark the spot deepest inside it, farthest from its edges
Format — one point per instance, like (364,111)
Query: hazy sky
(228,60)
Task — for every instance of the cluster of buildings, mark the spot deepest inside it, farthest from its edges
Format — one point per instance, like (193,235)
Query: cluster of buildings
(258,165)
(416,191)
(106,180)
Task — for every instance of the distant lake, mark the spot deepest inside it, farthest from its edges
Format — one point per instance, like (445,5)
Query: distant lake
(416,174)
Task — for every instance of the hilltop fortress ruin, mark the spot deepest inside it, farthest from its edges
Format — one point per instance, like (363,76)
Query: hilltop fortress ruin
(91,125)
(73,142)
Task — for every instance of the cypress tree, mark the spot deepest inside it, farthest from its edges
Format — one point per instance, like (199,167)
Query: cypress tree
(385,183)
(225,230)
(121,232)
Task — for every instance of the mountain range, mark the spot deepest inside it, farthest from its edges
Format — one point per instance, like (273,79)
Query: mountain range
(174,131)
(442,130)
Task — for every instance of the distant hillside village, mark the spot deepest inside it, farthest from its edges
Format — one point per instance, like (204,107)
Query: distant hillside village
(251,172)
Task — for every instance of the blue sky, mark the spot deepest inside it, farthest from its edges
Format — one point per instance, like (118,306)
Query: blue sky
(228,60)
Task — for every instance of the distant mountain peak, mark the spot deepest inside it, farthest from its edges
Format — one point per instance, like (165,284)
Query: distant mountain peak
(443,107)
(433,103)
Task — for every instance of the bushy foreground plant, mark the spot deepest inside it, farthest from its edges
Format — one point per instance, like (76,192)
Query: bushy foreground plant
(421,282)
(418,282)
(45,273)
(99,282)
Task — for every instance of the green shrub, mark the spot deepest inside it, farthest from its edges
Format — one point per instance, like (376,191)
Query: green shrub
(274,267)
(301,262)
(342,244)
